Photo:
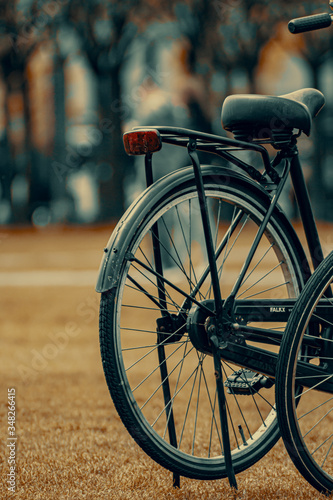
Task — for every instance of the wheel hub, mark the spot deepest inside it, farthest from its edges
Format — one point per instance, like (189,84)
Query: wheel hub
(198,321)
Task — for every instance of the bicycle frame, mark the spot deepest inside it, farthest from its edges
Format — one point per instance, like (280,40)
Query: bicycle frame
(223,335)
(226,334)
(263,310)
(222,146)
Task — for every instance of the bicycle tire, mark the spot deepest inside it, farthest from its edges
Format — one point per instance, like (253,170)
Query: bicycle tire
(198,453)
(311,454)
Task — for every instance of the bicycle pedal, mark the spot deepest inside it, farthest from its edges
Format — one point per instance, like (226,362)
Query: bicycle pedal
(247,382)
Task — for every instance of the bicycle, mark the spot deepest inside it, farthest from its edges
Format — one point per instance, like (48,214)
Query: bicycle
(305,410)
(306,419)
(191,373)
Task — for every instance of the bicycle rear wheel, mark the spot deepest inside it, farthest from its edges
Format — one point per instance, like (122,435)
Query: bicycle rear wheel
(163,387)
(306,419)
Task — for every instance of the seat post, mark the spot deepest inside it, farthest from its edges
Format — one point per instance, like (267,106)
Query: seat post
(306,213)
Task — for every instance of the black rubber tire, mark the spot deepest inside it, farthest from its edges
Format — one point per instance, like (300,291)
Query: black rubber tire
(120,389)
(293,428)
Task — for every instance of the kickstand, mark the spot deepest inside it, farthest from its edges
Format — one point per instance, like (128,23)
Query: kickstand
(223,411)
(176,480)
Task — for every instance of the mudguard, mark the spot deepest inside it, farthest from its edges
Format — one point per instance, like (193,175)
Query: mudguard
(114,253)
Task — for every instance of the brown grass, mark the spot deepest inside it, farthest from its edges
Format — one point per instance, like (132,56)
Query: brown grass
(70,442)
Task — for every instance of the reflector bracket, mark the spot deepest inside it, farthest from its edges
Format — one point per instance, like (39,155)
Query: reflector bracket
(140,142)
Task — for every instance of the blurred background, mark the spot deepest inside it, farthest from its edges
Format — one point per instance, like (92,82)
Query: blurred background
(75,74)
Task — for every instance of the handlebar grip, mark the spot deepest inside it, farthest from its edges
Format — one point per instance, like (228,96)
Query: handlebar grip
(309,23)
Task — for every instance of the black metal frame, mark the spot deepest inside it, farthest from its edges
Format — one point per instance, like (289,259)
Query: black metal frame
(270,179)
(221,340)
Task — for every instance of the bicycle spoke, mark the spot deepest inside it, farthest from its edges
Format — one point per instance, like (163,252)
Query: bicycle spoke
(153,298)
(211,407)
(145,257)
(197,406)
(267,290)
(259,280)
(148,346)
(191,268)
(328,452)
(236,216)
(178,263)
(322,444)
(317,423)
(213,420)
(127,329)
(158,288)
(184,384)
(324,321)
(325,379)
(157,309)
(257,264)
(152,350)
(238,405)
(190,241)
(314,409)
(217,223)
(229,232)
(188,404)
(176,386)
(160,385)
(226,254)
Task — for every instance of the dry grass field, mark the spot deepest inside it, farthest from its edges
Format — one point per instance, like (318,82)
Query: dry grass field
(71,443)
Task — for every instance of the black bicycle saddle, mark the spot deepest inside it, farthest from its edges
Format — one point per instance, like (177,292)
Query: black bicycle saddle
(261,116)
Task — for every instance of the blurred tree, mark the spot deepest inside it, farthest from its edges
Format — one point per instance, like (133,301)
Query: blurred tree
(224,36)
(26,30)
(16,47)
(247,26)
(315,48)
(106,33)
(217,37)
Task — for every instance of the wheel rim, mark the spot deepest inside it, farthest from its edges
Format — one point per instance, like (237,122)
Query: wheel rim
(190,372)
(312,410)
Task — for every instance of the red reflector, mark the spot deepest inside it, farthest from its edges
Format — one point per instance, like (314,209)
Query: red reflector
(141,142)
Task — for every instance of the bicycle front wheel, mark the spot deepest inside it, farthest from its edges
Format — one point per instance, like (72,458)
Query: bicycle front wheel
(161,381)
(305,404)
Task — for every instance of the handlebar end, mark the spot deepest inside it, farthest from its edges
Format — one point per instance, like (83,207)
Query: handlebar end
(309,23)
(291,26)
